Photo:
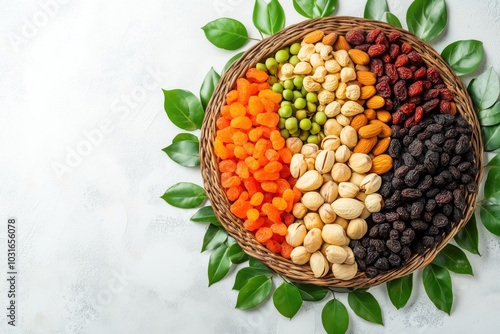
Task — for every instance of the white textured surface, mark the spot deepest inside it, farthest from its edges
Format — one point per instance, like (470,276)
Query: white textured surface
(99,251)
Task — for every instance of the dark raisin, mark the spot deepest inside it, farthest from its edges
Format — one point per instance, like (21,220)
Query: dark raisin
(377,67)
(405,252)
(464,166)
(373,233)
(411,178)
(355,37)
(455,160)
(385,190)
(447,209)
(394,148)
(463,145)
(359,252)
(400,91)
(416,209)
(431,193)
(371,257)
(382,263)
(428,241)
(371,272)
(384,90)
(391,71)
(383,230)
(438,138)
(403,214)
(472,187)
(445,159)
(411,193)
(425,184)
(361,264)
(430,205)
(399,225)
(394,234)
(419,225)
(440,220)
(394,260)
(459,199)
(455,172)
(415,148)
(430,105)
(408,159)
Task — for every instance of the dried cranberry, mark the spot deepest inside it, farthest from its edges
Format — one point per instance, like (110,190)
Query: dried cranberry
(431,94)
(400,91)
(433,75)
(405,73)
(397,118)
(415,58)
(420,73)
(444,107)
(377,50)
(382,40)
(355,37)
(384,90)
(407,109)
(391,71)
(427,84)
(430,105)
(363,47)
(372,35)
(394,36)
(406,48)
(446,94)
(386,58)
(388,104)
(410,122)
(394,51)
(415,88)
(402,60)
(377,67)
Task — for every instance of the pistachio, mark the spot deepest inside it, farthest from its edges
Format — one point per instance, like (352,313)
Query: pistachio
(371,183)
(310,163)
(342,119)
(344,271)
(373,202)
(342,222)
(332,127)
(356,178)
(365,214)
(334,234)
(331,142)
(313,240)
(311,180)
(298,165)
(326,213)
(349,137)
(309,150)
(299,210)
(361,196)
(324,161)
(347,208)
(312,200)
(357,228)
(342,154)
(327,177)
(348,189)
(296,234)
(340,172)
(323,248)
(319,264)
(294,144)
(300,255)
(335,254)
(329,191)
(350,255)
(360,162)
(313,220)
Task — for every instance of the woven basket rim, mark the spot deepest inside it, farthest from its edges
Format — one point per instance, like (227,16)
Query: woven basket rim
(211,177)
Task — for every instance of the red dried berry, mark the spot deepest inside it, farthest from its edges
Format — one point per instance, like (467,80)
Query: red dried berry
(391,72)
(420,73)
(384,78)
(427,84)
(402,60)
(394,36)
(446,94)
(431,94)
(413,68)
(382,40)
(416,88)
(383,89)
(372,35)
(386,58)
(400,90)
(433,75)
(415,58)
(416,100)
(419,114)
(406,48)
(377,67)
(407,109)
(430,105)
(376,50)
(444,107)
(363,47)
(355,37)
(394,51)
(398,117)
(405,73)
(388,104)
(410,122)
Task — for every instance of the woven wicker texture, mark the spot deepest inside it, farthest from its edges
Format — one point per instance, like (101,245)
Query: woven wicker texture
(209,161)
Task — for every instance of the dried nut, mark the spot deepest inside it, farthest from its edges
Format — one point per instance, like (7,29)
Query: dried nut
(299,255)
(370,130)
(314,36)
(330,142)
(344,271)
(367,92)
(367,78)
(313,240)
(332,109)
(319,74)
(331,83)
(295,234)
(323,248)
(342,154)
(384,116)
(302,67)
(343,120)
(334,234)
(294,144)
(324,161)
(349,137)
(365,214)
(353,92)
(341,222)
(332,127)
(318,46)
(335,254)
(351,108)
(382,146)
(365,145)
(347,74)
(312,200)
(362,68)
(327,177)
(298,165)
(310,163)
(285,72)
(326,213)
(348,189)
(329,39)
(357,228)
(316,60)
(340,92)
(299,210)
(313,220)
(356,178)
(359,121)
(347,208)
(319,264)
(325,97)
(381,164)
(361,196)
(373,202)
(340,172)
(326,52)
(309,150)
(342,57)
(371,183)
(332,66)
(375,102)
(350,255)
(305,52)
(341,44)
(310,85)
(329,191)
(360,162)
(359,57)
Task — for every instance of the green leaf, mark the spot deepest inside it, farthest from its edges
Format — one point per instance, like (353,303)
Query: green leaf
(287,300)
(185,195)
(490,116)
(185,136)
(495,162)
(268,17)
(257,264)
(186,153)
(484,90)
(231,61)
(492,185)
(454,259)
(490,214)
(254,292)
(208,86)
(335,317)
(244,274)
(399,290)
(226,33)
(315,8)
(375,9)
(468,238)
(365,306)
(464,56)
(427,18)
(437,284)
(206,215)
(491,137)
(218,264)
(236,254)
(183,109)
(392,20)
(311,292)
(214,237)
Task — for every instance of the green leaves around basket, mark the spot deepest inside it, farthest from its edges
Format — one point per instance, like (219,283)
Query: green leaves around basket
(231,61)
(185,195)
(489,214)
(208,86)
(218,264)
(268,17)
(454,259)
(236,254)
(254,292)
(399,290)
(335,317)
(490,116)
(315,8)
(245,274)
(464,56)
(311,292)
(214,237)
(287,299)
(379,10)
(365,306)
(468,237)
(490,208)
(437,284)
(183,109)
(484,90)
(427,18)
(185,151)
(226,33)
(206,215)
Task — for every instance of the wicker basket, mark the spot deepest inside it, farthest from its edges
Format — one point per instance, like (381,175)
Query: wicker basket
(209,161)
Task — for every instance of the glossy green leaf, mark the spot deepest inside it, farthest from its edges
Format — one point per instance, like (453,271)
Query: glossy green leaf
(185,136)
(208,86)
(254,292)
(399,290)
(231,61)
(226,33)
(491,137)
(484,90)
(392,19)
(464,56)
(490,116)
(186,153)
(375,9)
(427,18)
(214,237)
(492,185)
(185,195)
(287,300)
(454,259)
(218,264)
(183,109)
(254,263)
(468,237)
(495,162)
(268,17)
(490,217)
(206,215)
(244,274)
(236,254)
(365,306)
(437,284)
(315,8)
(311,292)
(334,317)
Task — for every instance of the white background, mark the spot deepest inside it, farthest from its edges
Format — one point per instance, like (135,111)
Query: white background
(99,250)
